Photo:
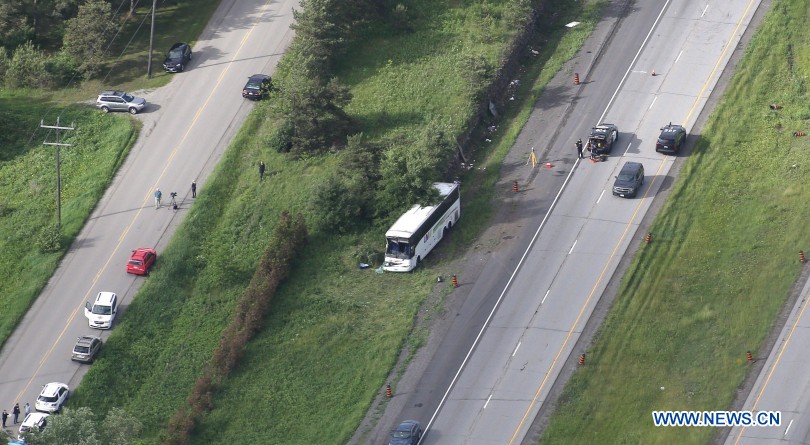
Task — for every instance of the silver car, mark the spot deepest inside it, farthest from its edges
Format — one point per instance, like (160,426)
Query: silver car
(119,101)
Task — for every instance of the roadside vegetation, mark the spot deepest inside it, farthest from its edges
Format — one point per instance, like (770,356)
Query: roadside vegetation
(333,331)
(723,259)
(31,244)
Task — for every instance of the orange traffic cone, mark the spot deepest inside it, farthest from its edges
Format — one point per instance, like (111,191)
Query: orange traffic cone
(798,133)
(653,72)
(648,238)
(802,259)
(581,359)
(749,357)
(455,281)
(576,78)
(515,187)
(388,392)
(548,165)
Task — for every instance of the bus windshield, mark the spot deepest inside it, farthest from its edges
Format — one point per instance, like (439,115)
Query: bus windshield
(398,248)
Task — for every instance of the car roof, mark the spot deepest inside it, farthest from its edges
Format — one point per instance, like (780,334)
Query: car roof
(178,44)
(51,388)
(407,424)
(34,417)
(259,77)
(630,165)
(111,93)
(86,339)
(104,297)
(141,251)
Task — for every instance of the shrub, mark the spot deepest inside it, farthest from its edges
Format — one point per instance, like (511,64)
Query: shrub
(50,239)
(27,68)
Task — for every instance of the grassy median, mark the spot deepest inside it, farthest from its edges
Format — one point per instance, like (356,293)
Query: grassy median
(723,259)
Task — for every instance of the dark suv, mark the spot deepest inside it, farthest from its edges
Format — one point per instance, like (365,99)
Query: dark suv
(602,137)
(671,139)
(629,180)
(178,57)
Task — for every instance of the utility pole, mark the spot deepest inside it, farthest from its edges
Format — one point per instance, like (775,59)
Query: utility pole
(151,39)
(58,145)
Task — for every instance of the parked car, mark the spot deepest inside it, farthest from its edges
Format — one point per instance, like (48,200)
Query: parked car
(671,139)
(177,58)
(407,433)
(86,349)
(141,260)
(33,421)
(629,180)
(602,137)
(119,101)
(52,397)
(101,313)
(257,87)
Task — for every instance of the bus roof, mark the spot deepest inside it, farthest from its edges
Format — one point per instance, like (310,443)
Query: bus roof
(410,221)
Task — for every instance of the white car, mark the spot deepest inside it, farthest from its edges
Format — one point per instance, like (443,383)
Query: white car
(101,312)
(33,421)
(52,397)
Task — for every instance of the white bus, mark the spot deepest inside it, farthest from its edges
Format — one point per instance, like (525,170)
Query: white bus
(416,232)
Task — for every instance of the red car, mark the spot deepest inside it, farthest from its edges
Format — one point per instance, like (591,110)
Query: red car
(141,261)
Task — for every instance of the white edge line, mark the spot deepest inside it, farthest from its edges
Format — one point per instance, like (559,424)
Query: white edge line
(652,103)
(788,427)
(628,149)
(572,247)
(544,297)
(603,191)
(516,348)
(487,402)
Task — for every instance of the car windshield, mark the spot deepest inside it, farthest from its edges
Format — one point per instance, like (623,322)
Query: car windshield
(102,310)
(625,177)
(176,53)
(128,97)
(399,434)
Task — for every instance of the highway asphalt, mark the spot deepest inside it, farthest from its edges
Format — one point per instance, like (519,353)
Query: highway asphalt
(524,308)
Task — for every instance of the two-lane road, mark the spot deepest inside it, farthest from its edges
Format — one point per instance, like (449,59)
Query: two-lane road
(188,124)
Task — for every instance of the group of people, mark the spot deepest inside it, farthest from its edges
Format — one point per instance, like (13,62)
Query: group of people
(173,204)
(15,412)
(594,155)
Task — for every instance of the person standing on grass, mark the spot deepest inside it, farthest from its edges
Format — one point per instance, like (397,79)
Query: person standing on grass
(193,189)
(16,412)
(261,170)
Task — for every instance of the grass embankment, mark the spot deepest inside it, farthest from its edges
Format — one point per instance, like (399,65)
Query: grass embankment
(334,331)
(28,190)
(724,256)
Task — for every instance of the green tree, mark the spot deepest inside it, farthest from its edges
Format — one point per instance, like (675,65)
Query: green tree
(27,68)
(86,36)
(409,170)
(39,21)
(80,427)
(314,108)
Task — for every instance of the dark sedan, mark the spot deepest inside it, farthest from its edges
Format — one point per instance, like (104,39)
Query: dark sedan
(257,87)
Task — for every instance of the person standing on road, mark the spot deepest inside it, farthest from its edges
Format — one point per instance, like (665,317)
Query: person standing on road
(579,148)
(261,170)
(16,412)
(158,195)
(193,189)
(27,408)
(4,417)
